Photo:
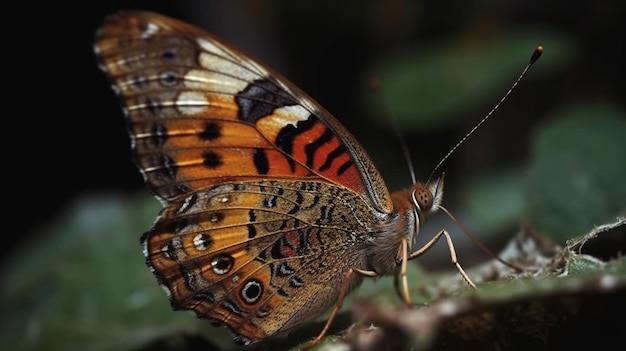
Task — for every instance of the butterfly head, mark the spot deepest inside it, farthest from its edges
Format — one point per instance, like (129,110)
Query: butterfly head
(425,201)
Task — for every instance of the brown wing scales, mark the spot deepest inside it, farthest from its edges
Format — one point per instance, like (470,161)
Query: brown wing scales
(237,251)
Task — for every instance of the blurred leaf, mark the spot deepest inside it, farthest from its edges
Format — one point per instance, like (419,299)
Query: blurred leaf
(431,86)
(494,201)
(577,171)
(83,284)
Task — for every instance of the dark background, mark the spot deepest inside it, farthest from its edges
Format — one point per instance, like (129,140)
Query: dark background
(73,133)
(77,204)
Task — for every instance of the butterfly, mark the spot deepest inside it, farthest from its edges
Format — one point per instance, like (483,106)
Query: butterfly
(273,212)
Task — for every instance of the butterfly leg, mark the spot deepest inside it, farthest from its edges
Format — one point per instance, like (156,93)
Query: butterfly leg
(403,290)
(455,262)
(343,291)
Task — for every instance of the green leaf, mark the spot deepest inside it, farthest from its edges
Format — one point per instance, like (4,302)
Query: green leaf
(577,172)
(82,283)
(495,200)
(429,87)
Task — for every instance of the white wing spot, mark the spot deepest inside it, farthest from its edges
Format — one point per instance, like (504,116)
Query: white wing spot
(217,56)
(191,103)
(199,242)
(280,118)
(290,115)
(212,80)
(150,31)
(209,46)
(186,204)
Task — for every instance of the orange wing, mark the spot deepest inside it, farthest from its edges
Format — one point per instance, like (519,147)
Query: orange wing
(201,114)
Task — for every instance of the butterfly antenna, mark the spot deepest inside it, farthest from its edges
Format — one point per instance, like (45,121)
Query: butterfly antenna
(535,56)
(405,147)
(397,129)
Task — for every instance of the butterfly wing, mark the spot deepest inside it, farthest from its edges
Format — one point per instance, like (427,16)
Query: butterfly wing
(265,192)
(197,106)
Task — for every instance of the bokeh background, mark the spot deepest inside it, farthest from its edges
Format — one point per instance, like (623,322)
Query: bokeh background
(551,154)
